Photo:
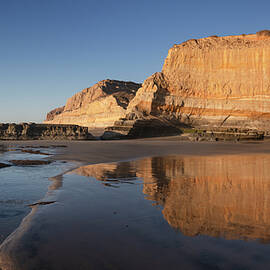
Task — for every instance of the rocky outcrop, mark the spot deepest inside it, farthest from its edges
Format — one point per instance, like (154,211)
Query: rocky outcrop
(139,121)
(97,106)
(210,82)
(52,114)
(33,131)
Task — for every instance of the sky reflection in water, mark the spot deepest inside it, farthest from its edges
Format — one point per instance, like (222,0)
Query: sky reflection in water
(21,186)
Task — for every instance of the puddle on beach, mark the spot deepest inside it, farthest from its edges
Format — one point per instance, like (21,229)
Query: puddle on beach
(169,212)
(21,186)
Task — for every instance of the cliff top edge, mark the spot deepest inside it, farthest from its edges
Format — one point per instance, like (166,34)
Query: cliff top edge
(261,37)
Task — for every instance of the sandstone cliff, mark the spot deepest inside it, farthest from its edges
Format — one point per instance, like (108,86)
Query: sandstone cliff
(52,114)
(33,131)
(97,106)
(210,82)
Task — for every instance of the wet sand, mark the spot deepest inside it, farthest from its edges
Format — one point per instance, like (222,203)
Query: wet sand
(125,215)
(23,185)
(92,152)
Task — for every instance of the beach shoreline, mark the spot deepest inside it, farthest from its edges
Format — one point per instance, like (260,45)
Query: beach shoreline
(93,152)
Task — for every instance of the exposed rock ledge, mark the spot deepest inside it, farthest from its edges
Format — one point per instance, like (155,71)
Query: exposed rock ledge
(33,131)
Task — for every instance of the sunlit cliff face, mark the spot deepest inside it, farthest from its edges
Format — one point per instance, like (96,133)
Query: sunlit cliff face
(97,106)
(220,196)
(212,81)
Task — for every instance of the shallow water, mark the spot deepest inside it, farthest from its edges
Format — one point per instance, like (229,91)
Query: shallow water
(21,186)
(170,212)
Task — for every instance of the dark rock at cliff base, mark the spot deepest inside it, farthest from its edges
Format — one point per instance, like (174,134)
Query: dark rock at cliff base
(140,128)
(34,131)
(3,165)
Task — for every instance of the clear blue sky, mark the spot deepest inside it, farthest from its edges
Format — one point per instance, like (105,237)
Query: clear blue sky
(51,49)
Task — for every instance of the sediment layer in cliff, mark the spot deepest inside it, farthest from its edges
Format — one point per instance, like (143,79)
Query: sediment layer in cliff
(96,106)
(210,82)
(33,131)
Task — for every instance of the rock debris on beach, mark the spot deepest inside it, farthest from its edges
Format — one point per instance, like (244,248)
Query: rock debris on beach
(30,162)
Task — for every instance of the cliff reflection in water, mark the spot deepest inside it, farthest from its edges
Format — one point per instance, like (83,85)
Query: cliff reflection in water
(220,196)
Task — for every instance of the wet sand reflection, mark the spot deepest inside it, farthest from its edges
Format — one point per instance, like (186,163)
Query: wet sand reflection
(173,212)
(221,196)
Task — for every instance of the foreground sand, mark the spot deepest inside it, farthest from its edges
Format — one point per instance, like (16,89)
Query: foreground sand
(50,235)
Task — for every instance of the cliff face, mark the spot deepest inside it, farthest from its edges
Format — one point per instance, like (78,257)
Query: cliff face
(52,114)
(43,132)
(97,106)
(216,81)
(208,82)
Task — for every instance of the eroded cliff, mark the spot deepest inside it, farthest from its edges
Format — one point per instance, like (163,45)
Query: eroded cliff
(210,82)
(96,106)
(206,83)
